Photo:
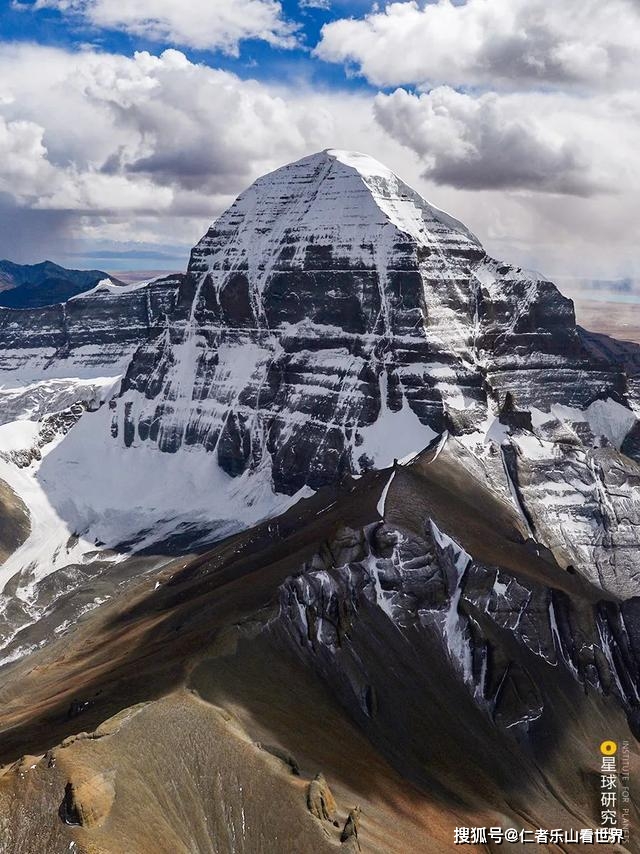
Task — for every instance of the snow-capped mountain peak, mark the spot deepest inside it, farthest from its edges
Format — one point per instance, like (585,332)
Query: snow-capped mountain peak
(339,201)
(330,322)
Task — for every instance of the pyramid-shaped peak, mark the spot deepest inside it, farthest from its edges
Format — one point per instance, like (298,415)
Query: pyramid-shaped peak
(332,165)
(356,160)
(342,200)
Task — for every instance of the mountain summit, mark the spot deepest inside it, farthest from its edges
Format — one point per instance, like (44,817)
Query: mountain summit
(330,322)
(340,201)
(348,512)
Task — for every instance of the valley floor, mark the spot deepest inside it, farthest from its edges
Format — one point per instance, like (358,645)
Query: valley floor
(617,319)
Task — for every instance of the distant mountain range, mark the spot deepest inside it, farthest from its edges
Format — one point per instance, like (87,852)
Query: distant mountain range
(38,285)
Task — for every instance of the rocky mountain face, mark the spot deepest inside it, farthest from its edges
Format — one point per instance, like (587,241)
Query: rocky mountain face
(331,308)
(424,480)
(55,357)
(94,330)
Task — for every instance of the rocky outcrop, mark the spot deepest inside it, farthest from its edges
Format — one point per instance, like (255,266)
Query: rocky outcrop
(50,427)
(349,835)
(88,803)
(504,636)
(320,801)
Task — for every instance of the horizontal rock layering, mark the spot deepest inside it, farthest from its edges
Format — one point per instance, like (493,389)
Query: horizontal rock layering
(330,322)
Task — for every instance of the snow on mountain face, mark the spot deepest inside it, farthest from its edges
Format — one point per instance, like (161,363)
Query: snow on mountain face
(332,210)
(330,321)
(88,333)
(303,292)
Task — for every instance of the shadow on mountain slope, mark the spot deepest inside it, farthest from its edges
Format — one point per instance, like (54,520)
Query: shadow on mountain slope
(229,688)
(14,521)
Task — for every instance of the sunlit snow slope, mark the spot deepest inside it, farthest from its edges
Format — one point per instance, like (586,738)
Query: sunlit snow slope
(329,322)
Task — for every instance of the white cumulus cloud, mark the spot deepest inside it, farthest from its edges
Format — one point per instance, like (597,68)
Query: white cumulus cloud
(113,132)
(154,144)
(125,151)
(202,24)
(495,43)
(509,95)
(547,142)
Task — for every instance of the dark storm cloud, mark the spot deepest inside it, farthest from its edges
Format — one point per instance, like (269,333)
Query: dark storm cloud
(31,235)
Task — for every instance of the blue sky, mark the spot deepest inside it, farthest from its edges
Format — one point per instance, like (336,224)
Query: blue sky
(257,59)
(126,126)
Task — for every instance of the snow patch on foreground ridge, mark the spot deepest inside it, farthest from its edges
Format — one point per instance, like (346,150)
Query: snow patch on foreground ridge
(138,494)
(383,497)
(455,626)
(50,545)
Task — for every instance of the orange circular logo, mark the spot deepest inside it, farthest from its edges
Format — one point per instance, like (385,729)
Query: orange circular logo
(608,748)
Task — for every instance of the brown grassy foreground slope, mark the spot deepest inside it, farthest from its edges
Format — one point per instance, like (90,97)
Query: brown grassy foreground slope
(184,720)
(193,759)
